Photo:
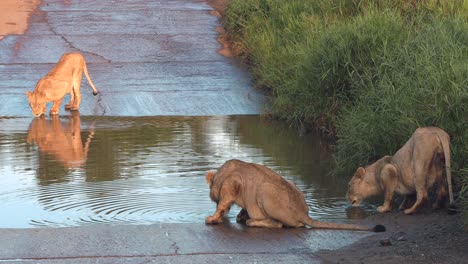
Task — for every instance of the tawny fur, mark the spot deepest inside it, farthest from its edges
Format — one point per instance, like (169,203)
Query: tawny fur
(413,169)
(64,78)
(266,199)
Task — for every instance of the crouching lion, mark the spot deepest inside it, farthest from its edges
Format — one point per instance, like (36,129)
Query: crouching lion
(64,78)
(266,199)
(414,168)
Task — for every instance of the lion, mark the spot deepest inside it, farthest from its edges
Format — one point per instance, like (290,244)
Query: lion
(413,169)
(267,200)
(64,78)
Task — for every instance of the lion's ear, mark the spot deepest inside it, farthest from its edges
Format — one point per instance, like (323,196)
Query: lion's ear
(360,172)
(209,177)
(28,93)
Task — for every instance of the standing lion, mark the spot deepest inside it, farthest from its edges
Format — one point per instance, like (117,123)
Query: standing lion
(413,169)
(64,78)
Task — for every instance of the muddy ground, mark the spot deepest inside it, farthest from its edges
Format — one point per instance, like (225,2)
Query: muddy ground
(426,237)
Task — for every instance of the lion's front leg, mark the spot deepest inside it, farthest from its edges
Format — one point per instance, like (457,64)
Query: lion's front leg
(227,195)
(44,109)
(55,108)
(221,210)
(389,180)
(386,207)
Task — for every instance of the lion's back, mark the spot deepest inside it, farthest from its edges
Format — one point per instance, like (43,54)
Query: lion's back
(68,63)
(420,150)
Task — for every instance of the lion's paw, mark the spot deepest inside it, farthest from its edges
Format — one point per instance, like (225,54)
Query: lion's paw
(383,209)
(210,220)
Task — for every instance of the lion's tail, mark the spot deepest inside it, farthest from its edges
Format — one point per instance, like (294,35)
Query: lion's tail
(445,142)
(85,69)
(327,225)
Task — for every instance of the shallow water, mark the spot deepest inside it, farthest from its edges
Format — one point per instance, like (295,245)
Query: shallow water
(73,170)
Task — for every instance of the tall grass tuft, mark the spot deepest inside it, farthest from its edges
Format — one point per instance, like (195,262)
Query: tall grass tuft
(367,72)
(422,82)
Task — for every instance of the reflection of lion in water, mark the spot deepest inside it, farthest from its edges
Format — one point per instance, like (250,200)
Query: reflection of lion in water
(266,199)
(413,169)
(64,78)
(60,140)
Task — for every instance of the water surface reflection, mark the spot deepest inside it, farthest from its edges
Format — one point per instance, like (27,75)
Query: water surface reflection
(60,139)
(76,171)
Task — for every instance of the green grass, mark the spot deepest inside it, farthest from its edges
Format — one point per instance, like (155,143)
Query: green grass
(366,72)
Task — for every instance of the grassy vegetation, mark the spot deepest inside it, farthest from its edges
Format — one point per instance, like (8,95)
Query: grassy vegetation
(368,72)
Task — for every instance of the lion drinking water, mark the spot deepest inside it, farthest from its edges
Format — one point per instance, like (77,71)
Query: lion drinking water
(266,199)
(415,168)
(64,78)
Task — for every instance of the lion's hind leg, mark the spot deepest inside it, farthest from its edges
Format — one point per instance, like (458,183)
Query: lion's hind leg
(425,174)
(75,94)
(70,105)
(421,197)
(72,101)
(75,102)
(267,223)
(403,203)
(408,200)
(441,195)
(277,209)
(440,192)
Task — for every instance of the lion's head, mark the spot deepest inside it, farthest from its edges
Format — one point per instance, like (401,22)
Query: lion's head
(361,185)
(37,106)
(364,182)
(355,187)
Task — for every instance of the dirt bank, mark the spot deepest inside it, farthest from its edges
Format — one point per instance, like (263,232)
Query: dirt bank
(427,237)
(14,16)
(218,5)
(223,38)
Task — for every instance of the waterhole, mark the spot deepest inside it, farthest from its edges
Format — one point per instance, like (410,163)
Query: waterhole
(72,170)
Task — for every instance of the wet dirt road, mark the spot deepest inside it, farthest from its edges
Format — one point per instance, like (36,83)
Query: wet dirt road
(146,58)
(169,243)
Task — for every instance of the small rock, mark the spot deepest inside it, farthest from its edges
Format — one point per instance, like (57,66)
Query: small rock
(402,238)
(385,242)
